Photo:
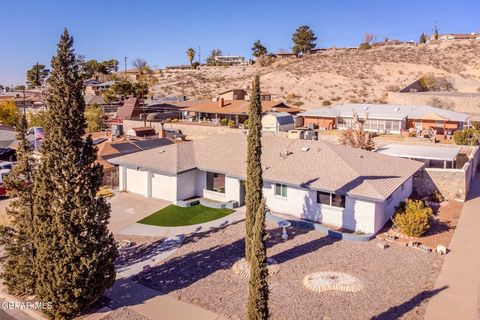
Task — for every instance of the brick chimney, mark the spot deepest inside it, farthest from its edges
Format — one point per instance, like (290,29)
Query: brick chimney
(221,102)
(161,132)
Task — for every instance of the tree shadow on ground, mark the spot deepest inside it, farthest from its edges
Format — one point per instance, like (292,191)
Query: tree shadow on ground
(397,312)
(182,271)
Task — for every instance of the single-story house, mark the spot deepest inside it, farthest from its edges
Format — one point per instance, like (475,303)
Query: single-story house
(277,121)
(236,110)
(94,87)
(388,118)
(242,94)
(315,180)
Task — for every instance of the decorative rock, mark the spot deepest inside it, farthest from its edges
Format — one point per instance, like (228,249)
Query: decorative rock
(441,249)
(382,245)
(336,281)
(241,267)
(424,248)
(391,237)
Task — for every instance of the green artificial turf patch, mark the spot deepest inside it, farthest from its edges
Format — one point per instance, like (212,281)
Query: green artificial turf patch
(175,216)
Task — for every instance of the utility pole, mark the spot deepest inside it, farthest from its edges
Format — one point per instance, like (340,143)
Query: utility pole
(125,68)
(199,56)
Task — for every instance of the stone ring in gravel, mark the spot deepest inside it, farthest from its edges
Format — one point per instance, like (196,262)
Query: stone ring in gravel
(241,267)
(337,281)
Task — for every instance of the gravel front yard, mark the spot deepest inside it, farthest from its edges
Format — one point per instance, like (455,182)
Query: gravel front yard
(396,280)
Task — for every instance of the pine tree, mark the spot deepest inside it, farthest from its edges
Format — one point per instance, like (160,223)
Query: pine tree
(303,40)
(75,252)
(255,251)
(258,49)
(18,273)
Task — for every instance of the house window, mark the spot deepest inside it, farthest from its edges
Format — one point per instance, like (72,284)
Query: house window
(215,182)
(439,123)
(331,199)
(280,190)
(323,197)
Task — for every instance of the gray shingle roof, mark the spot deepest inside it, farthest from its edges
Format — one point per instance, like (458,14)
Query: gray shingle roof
(325,166)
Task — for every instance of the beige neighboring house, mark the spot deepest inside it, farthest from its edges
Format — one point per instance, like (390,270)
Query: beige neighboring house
(278,121)
(94,87)
(242,94)
(460,36)
(313,180)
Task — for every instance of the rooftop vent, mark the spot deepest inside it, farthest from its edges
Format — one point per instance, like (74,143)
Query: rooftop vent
(397,109)
(365,108)
(161,151)
(305,149)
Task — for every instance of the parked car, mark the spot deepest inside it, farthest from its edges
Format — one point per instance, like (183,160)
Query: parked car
(8,154)
(5,168)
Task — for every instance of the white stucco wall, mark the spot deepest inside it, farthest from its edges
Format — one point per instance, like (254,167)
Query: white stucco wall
(357,214)
(384,211)
(186,185)
(201,182)
(136,181)
(232,189)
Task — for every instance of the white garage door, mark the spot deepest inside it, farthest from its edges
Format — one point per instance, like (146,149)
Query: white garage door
(137,181)
(162,186)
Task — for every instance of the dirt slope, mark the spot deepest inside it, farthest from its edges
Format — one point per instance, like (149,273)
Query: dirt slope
(336,76)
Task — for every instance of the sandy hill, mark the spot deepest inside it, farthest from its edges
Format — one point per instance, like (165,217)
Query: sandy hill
(336,76)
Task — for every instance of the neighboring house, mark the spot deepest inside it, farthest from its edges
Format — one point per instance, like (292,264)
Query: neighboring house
(388,118)
(231,60)
(284,54)
(315,180)
(91,99)
(236,110)
(277,121)
(242,94)
(460,36)
(131,108)
(94,87)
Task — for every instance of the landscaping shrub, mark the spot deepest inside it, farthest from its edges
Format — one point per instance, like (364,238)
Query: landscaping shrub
(245,124)
(231,123)
(412,218)
(326,103)
(223,121)
(466,137)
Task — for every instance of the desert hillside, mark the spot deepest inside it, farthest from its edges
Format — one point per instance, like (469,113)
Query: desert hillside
(333,77)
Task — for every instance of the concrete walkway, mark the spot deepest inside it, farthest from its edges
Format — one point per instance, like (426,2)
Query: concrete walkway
(149,302)
(460,274)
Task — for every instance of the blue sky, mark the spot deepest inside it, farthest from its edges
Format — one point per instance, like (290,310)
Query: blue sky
(161,31)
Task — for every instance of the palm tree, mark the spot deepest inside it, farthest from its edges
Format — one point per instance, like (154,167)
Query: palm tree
(191,55)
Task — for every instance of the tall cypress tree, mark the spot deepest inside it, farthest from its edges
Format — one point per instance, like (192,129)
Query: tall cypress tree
(255,251)
(18,273)
(75,252)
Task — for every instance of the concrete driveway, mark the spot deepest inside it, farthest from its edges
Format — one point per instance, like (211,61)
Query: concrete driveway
(128,208)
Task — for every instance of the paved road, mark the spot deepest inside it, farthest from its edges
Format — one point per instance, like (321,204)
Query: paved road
(458,285)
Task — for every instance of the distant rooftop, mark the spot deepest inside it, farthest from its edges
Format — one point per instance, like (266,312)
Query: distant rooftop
(420,152)
(387,111)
